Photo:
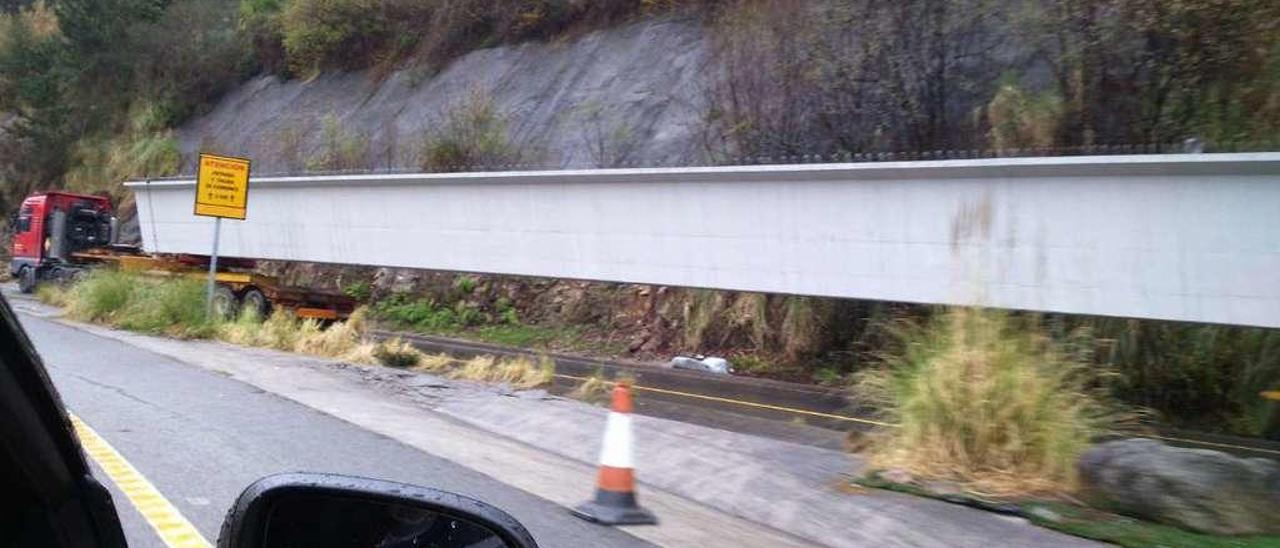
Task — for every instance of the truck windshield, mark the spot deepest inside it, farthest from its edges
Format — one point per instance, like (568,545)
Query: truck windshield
(23,222)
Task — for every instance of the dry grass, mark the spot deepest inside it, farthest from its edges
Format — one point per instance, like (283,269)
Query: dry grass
(593,390)
(52,294)
(395,352)
(700,314)
(278,331)
(519,372)
(803,327)
(345,340)
(339,340)
(176,307)
(987,402)
(434,363)
(1019,119)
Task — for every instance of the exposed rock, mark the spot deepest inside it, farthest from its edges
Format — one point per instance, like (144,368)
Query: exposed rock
(556,97)
(637,341)
(1204,490)
(395,280)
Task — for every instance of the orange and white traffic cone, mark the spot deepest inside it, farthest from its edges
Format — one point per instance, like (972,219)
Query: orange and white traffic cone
(615,502)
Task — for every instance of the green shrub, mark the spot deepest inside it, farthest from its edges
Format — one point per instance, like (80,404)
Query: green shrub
(146,149)
(176,307)
(339,149)
(828,376)
(466,284)
(182,71)
(260,27)
(1206,377)
(101,294)
(361,290)
(985,400)
(1020,119)
(321,34)
(128,300)
(762,366)
(422,314)
(750,364)
(470,135)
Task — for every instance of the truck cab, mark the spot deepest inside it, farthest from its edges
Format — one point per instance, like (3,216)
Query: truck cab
(52,226)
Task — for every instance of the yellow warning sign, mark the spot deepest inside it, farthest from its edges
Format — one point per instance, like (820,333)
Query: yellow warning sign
(222,186)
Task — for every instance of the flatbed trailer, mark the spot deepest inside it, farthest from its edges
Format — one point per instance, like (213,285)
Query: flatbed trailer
(237,289)
(59,235)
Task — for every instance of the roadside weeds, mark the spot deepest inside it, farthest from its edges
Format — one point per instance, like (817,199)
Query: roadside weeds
(175,307)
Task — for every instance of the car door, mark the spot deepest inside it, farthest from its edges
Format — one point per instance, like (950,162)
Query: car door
(48,497)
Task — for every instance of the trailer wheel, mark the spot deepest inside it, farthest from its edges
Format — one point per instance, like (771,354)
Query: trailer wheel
(27,279)
(254,300)
(225,304)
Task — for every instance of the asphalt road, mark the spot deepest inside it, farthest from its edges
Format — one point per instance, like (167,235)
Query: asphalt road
(200,438)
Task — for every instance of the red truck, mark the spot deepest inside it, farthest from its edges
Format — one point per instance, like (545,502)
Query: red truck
(51,228)
(58,235)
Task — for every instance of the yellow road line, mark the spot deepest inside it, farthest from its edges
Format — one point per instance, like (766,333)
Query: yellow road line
(746,403)
(160,514)
(1213,444)
(885,424)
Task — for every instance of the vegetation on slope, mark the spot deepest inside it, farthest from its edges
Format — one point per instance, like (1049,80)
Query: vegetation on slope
(857,76)
(89,86)
(838,77)
(90,89)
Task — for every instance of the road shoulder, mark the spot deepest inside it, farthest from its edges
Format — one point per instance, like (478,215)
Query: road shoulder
(708,486)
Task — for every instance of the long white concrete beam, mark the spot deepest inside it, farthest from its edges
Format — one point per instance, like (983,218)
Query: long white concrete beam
(1179,237)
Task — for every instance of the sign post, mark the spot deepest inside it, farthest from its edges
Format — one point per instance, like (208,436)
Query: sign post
(222,190)
(213,267)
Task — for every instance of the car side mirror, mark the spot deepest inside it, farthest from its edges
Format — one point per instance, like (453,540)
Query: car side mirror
(288,510)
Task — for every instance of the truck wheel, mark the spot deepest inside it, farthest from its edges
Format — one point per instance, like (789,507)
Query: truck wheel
(225,304)
(62,276)
(254,300)
(27,279)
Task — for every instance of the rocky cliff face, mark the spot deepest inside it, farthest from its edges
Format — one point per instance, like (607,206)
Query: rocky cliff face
(619,96)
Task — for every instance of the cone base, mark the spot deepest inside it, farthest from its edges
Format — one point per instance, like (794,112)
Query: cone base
(595,512)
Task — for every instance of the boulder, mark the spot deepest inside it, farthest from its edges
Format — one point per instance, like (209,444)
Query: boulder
(1208,491)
